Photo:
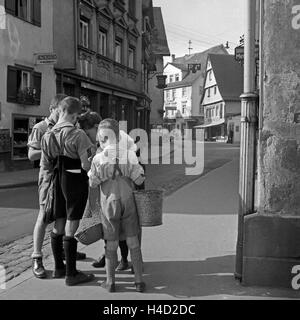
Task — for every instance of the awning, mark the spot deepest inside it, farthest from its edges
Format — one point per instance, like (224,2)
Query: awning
(213,124)
(95,88)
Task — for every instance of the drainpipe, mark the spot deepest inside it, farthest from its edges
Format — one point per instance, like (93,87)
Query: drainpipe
(248,133)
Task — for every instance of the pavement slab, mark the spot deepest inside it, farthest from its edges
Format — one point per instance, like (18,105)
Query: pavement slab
(190,257)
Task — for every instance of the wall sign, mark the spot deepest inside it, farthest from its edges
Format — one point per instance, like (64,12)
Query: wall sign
(46,58)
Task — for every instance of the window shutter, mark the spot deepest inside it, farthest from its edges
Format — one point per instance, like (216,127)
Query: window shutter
(10,6)
(37,85)
(36,12)
(12,84)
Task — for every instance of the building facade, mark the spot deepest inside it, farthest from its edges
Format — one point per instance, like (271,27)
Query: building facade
(27,83)
(223,87)
(184,90)
(160,49)
(271,236)
(102,54)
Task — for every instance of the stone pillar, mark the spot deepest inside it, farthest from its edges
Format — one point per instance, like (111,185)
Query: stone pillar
(272,236)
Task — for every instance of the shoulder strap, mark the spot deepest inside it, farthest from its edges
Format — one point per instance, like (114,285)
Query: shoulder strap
(61,143)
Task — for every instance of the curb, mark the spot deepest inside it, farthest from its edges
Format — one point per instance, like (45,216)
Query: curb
(18,185)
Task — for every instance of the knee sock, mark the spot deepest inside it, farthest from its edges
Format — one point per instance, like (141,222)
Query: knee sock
(137,262)
(124,250)
(111,260)
(70,246)
(57,249)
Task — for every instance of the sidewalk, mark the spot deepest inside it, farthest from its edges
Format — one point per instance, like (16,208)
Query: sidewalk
(14,179)
(190,257)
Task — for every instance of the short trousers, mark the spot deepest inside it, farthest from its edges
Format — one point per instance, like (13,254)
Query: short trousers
(73,195)
(119,215)
(43,186)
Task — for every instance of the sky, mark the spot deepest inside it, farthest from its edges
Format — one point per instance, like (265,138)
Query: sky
(205,22)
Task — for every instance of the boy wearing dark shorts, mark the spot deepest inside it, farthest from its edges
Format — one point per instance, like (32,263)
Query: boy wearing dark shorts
(65,152)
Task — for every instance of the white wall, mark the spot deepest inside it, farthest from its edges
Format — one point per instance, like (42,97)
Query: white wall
(18,44)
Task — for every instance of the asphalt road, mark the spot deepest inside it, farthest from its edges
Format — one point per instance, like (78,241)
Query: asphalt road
(21,204)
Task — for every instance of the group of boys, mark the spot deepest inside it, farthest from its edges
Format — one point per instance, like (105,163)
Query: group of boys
(61,146)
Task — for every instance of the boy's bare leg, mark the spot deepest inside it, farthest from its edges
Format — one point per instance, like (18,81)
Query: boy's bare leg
(111,260)
(137,262)
(38,239)
(39,235)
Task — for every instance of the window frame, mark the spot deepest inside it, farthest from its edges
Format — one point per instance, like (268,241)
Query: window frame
(118,44)
(33,10)
(34,81)
(84,24)
(102,34)
(133,50)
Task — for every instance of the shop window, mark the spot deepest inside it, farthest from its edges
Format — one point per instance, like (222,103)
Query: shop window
(22,127)
(102,42)
(118,51)
(84,32)
(28,10)
(131,57)
(23,86)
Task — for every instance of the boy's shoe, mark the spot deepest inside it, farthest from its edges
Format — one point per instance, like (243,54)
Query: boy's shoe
(59,273)
(79,256)
(38,269)
(140,287)
(123,265)
(109,287)
(100,263)
(79,278)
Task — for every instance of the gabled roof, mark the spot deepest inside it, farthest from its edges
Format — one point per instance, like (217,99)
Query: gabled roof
(229,75)
(159,43)
(182,63)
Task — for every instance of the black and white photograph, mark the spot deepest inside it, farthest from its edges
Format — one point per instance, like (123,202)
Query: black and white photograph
(149,152)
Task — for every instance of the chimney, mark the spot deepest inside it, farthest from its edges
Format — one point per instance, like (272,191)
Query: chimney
(173,57)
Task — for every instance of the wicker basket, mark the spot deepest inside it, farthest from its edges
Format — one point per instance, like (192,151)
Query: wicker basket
(149,204)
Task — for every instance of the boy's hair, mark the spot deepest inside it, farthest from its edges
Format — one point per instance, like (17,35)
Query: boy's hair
(57,100)
(110,124)
(70,105)
(89,119)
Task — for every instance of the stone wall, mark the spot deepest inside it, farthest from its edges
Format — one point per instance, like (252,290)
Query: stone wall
(279,148)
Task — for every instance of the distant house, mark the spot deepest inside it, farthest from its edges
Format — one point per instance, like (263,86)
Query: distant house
(184,90)
(223,87)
